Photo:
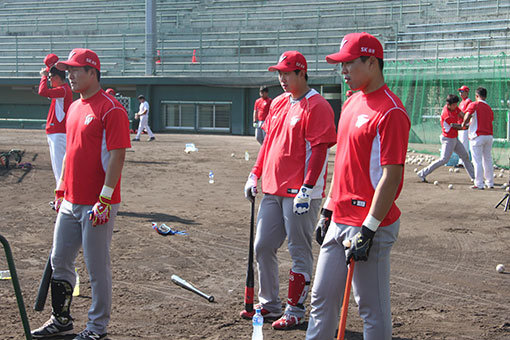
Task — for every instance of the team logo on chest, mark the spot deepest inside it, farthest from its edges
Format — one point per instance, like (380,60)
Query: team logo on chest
(294,120)
(88,119)
(362,119)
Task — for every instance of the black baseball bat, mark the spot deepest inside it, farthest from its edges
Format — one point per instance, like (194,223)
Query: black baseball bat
(186,285)
(248,289)
(44,286)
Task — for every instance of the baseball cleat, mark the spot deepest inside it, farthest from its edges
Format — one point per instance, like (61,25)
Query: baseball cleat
(422,178)
(474,187)
(151,139)
(89,335)
(287,321)
(265,313)
(52,328)
(135,139)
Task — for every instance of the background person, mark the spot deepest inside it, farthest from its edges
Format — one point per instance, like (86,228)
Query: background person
(464,134)
(449,142)
(61,98)
(292,164)
(260,111)
(479,117)
(143,114)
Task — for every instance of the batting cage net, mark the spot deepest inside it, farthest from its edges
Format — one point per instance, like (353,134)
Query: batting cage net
(424,84)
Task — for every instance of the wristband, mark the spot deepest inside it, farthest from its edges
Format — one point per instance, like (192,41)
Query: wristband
(59,184)
(107,192)
(371,223)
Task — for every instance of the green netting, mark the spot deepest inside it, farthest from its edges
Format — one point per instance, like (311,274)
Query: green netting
(423,86)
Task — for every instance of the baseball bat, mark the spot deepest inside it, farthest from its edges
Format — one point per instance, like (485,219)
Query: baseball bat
(248,290)
(347,295)
(186,285)
(44,286)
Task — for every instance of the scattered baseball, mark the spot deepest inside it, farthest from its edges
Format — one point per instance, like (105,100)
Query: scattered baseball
(500,175)
(456,170)
(450,186)
(451,170)
(436,183)
(415,169)
(500,268)
(232,155)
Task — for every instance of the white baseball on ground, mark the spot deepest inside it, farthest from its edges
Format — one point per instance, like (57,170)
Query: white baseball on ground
(451,169)
(500,268)
(415,169)
(436,182)
(450,186)
(456,170)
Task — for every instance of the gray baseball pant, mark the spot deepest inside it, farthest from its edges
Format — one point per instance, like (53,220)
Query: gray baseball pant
(448,146)
(275,221)
(371,284)
(73,230)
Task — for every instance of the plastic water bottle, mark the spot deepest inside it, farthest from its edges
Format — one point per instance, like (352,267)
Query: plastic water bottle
(258,321)
(211,177)
(246,156)
(76,291)
(5,275)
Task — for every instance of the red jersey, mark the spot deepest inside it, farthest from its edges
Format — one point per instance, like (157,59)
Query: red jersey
(464,104)
(447,119)
(373,131)
(94,126)
(293,128)
(262,107)
(481,121)
(61,99)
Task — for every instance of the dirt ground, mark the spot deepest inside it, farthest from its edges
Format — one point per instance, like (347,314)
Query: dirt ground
(444,283)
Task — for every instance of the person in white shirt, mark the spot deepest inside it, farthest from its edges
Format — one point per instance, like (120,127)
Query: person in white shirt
(143,114)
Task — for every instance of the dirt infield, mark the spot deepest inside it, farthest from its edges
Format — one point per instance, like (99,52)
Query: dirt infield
(444,282)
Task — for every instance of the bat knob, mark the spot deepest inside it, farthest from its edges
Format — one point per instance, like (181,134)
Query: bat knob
(210,298)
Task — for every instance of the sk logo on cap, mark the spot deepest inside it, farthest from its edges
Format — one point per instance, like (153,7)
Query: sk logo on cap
(71,54)
(344,41)
(282,58)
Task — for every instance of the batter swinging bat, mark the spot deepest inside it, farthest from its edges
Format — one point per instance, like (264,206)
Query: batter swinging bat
(248,290)
(347,295)
(186,285)
(44,286)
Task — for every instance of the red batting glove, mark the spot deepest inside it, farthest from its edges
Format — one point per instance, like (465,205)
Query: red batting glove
(59,197)
(100,213)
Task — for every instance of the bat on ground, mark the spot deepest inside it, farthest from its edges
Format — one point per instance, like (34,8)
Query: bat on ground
(44,286)
(248,290)
(186,285)
(347,295)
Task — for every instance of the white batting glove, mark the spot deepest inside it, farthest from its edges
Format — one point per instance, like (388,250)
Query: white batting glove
(302,201)
(250,188)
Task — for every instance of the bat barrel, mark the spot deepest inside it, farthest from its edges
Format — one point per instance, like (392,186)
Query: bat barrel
(186,285)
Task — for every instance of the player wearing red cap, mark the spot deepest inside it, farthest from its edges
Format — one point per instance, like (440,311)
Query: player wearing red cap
(87,197)
(61,97)
(465,101)
(292,164)
(260,111)
(449,143)
(479,117)
(373,132)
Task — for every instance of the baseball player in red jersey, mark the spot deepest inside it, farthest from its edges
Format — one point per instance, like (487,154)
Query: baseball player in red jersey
(292,164)
(464,134)
(61,97)
(479,117)
(260,111)
(449,143)
(373,131)
(87,198)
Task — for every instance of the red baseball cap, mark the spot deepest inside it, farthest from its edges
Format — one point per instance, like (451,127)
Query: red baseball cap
(355,45)
(290,61)
(80,57)
(50,60)
(464,88)
(110,91)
